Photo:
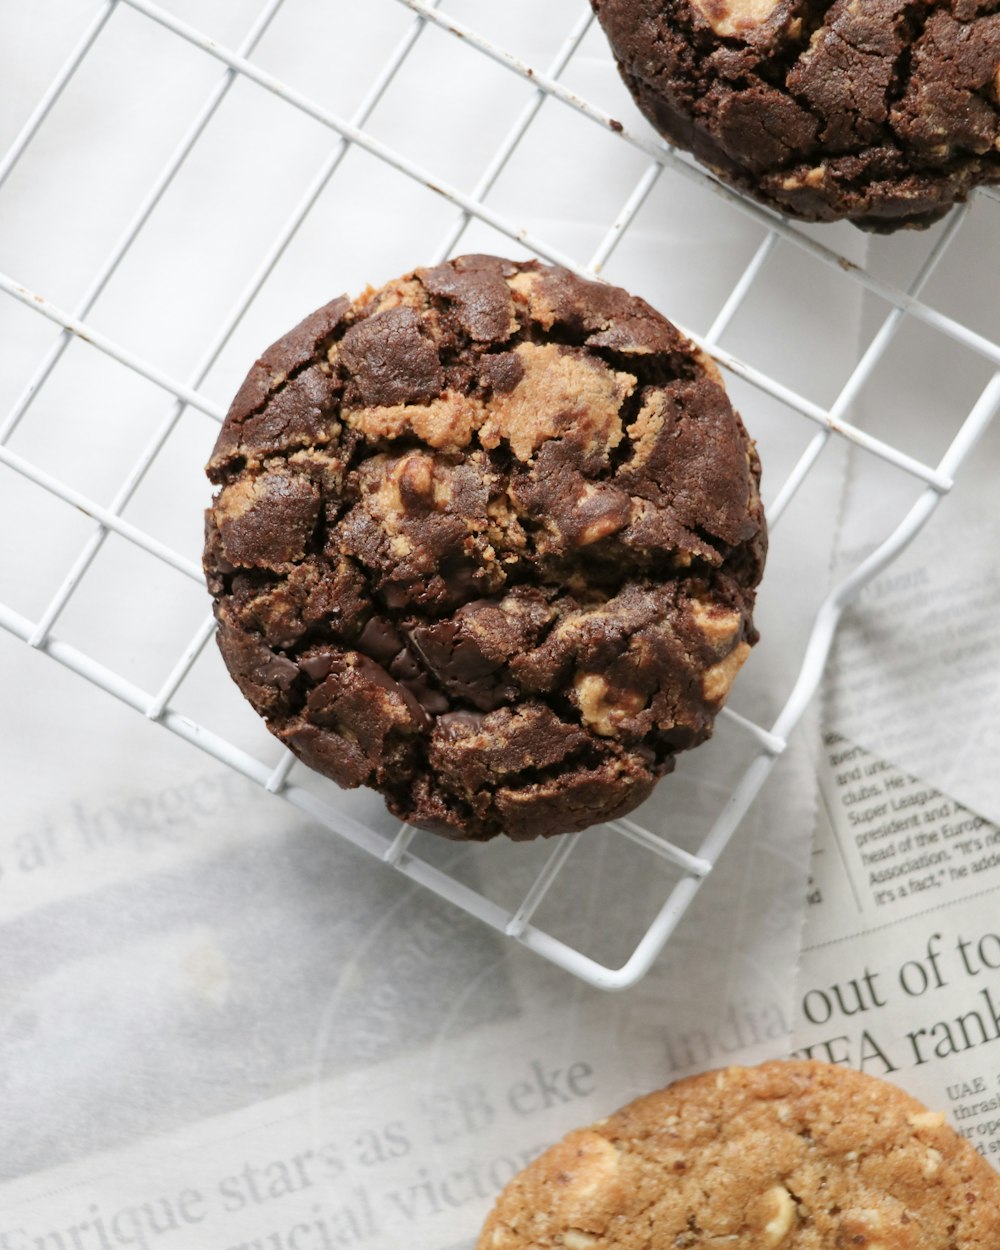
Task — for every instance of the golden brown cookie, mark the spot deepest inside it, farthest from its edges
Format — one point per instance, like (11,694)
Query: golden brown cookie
(785,1156)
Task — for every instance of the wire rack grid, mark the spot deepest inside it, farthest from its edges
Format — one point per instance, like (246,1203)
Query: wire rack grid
(827,422)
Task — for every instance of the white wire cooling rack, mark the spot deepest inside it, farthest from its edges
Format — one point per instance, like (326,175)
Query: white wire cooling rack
(546,89)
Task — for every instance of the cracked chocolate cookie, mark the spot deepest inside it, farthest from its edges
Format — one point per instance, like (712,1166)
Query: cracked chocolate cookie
(884,112)
(786,1156)
(486,540)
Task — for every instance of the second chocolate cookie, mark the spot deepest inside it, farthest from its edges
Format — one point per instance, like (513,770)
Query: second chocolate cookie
(884,112)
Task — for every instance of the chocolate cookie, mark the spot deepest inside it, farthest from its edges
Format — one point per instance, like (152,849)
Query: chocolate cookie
(486,540)
(884,112)
(787,1156)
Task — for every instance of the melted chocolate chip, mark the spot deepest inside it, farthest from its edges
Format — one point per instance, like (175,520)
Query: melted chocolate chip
(379,639)
(318,665)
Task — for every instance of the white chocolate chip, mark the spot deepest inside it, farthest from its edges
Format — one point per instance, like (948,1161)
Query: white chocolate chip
(932,1163)
(927,1119)
(601,1170)
(864,1222)
(573,1239)
(781,1210)
(735,17)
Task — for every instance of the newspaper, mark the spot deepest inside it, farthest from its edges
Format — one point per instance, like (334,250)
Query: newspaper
(200,1051)
(900,969)
(240,1032)
(924,636)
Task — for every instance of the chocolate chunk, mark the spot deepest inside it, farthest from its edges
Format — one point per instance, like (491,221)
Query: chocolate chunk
(460,577)
(459,665)
(431,700)
(469,654)
(317,664)
(361,701)
(408,672)
(380,639)
(490,546)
